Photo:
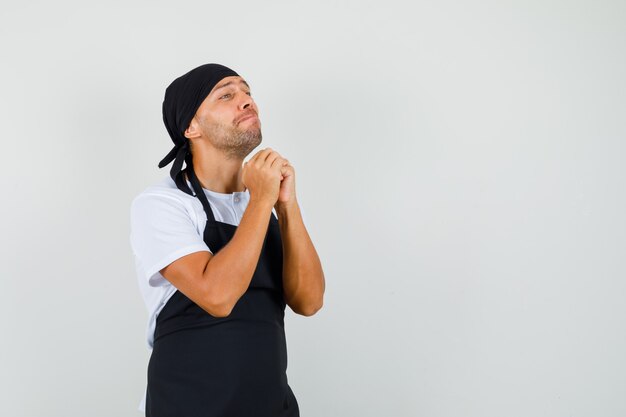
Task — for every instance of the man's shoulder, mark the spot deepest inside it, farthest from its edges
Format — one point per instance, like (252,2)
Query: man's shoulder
(162,191)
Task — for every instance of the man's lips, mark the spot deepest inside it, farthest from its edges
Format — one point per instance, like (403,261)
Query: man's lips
(245,117)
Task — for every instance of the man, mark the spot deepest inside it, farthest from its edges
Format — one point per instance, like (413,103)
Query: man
(221,248)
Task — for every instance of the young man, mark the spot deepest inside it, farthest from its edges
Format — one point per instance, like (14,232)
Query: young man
(221,249)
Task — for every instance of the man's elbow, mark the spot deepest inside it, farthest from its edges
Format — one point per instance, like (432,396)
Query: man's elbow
(218,310)
(218,304)
(308,309)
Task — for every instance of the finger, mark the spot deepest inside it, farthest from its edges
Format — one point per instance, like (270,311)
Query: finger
(272,158)
(260,155)
(287,169)
(265,154)
(277,162)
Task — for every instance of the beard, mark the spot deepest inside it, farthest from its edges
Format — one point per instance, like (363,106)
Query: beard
(234,142)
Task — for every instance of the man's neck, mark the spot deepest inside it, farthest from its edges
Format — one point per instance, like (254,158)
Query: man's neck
(216,173)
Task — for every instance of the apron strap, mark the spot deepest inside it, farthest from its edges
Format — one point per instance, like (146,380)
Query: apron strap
(197,187)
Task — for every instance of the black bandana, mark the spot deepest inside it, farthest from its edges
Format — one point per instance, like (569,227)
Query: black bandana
(182,99)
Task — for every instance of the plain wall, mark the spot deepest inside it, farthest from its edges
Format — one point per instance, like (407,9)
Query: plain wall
(461,166)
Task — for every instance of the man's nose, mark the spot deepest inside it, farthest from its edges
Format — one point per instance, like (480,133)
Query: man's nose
(246,102)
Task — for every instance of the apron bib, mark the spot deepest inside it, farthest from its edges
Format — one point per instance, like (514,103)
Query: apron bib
(235,366)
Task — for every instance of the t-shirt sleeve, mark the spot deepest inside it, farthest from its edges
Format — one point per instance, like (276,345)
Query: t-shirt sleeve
(162,231)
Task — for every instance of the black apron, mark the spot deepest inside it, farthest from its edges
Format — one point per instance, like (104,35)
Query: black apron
(235,366)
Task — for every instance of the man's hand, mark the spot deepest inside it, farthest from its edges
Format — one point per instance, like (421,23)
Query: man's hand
(262,175)
(261,168)
(287,193)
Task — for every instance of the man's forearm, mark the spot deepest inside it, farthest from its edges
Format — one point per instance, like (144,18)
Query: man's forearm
(232,268)
(303,278)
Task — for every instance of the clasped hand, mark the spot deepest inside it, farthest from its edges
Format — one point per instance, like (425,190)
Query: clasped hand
(270,177)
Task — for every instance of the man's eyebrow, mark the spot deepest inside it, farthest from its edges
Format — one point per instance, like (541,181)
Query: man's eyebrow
(230,83)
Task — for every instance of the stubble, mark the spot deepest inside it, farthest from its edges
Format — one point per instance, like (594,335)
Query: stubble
(233,141)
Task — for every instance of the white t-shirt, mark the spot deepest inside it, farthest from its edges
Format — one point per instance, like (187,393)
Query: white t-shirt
(167,224)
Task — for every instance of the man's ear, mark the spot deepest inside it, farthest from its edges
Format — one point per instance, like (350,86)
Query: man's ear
(192,130)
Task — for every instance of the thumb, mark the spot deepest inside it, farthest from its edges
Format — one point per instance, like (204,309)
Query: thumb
(243,172)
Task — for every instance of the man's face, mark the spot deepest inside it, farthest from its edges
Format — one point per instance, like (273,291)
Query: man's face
(228,118)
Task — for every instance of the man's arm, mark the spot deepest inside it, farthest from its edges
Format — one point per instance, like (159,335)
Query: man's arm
(216,282)
(303,278)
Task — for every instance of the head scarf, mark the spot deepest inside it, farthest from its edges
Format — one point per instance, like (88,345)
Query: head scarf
(182,99)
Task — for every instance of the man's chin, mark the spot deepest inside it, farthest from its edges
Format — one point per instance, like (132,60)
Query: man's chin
(250,139)
(252,127)
(253,133)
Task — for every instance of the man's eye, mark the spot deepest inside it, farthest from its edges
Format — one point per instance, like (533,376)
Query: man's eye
(225,95)
(249,93)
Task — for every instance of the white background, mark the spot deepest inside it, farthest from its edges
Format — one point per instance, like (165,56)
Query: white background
(461,165)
